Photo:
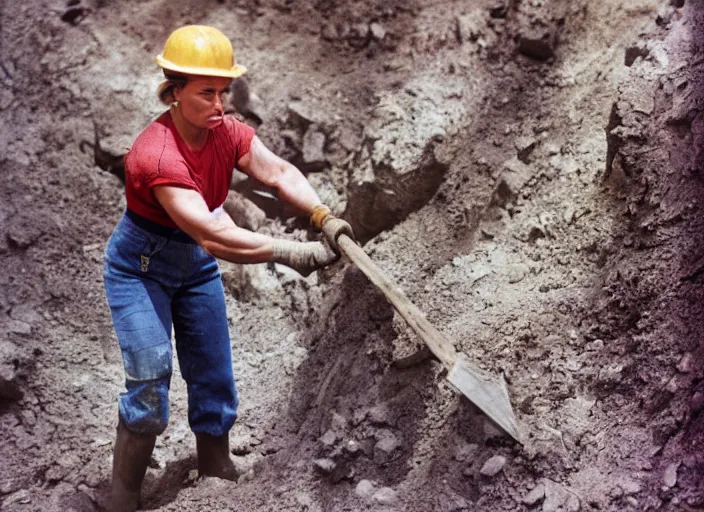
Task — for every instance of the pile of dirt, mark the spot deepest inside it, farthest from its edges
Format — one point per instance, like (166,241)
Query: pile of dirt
(529,172)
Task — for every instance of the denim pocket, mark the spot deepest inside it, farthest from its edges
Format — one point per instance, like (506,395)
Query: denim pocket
(156,245)
(131,248)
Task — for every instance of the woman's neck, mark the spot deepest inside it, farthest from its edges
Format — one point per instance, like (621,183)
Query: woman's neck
(193,136)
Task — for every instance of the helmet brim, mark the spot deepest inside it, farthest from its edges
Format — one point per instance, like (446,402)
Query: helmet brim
(234,72)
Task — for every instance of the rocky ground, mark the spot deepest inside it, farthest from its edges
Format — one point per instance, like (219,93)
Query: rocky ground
(528,171)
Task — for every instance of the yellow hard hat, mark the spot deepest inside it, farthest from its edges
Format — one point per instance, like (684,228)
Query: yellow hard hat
(199,50)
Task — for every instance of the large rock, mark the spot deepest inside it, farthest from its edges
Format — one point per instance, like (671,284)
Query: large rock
(301,115)
(400,164)
(245,213)
(313,151)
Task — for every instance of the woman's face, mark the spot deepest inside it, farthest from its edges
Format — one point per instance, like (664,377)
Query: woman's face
(201,100)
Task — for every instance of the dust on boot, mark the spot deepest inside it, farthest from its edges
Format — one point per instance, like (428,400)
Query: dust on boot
(130,460)
(214,457)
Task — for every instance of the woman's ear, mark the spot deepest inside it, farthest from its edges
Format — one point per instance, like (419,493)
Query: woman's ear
(176,92)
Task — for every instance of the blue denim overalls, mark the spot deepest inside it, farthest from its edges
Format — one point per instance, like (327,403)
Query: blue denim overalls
(156,277)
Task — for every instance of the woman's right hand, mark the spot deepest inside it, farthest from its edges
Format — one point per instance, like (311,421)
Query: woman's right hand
(303,257)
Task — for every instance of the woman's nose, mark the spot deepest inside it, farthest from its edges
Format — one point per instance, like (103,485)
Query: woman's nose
(219,101)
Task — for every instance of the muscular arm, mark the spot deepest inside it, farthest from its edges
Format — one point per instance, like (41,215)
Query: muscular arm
(291,184)
(214,231)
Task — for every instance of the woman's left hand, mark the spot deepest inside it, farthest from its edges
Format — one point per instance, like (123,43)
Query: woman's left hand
(333,228)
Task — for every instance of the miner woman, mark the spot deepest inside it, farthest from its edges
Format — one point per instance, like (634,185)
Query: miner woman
(160,266)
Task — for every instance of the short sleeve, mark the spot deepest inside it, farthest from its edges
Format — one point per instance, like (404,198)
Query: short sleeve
(241,136)
(172,172)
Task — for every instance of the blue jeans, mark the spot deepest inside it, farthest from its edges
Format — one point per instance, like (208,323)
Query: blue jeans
(156,278)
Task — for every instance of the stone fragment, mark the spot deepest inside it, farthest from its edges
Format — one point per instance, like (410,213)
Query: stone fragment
(18,327)
(634,52)
(552,149)
(535,231)
(569,214)
(91,247)
(611,374)
(380,415)
(685,364)
(24,231)
(537,43)
(630,487)
(378,31)
(240,445)
(665,14)
(6,98)
(672,385)
(55,473)
(534,496)
(313,150)
(328,438)
(359,415)
(525,146)
(8,353)
(464,452)
(514,176)
(696,403)
(469,27)
(365,489)
(493,466)
(338,422)
(358,35)
(385,446)
(352,446)
(564,165)
(324,466)
(245,102)
(301,115)
(74,15)
(670,476)
(329,32)
(386,496)
(516,273)
(499,9)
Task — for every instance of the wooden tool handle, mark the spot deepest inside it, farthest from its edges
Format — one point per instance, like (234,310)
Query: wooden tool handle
(440,346)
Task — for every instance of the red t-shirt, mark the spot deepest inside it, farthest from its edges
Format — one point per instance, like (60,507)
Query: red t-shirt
(160,156)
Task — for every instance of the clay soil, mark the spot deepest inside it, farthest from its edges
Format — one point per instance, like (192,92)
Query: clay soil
(528,171)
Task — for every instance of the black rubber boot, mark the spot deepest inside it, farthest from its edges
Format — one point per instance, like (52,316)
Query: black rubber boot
(214,457)
(130,460)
